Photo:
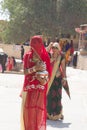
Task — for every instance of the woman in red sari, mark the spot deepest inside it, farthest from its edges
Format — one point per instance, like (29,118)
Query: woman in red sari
(37,72)
(9,64)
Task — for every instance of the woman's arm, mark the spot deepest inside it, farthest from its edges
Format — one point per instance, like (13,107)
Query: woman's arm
(29,71)
(49,47)
(63,67)
(37,67)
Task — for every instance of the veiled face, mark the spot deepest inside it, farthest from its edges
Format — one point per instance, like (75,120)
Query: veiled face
(37,45)
(36,57)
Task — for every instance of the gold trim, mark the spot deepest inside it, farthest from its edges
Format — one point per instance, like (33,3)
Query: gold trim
(22,107)
(55,68)
(56,117)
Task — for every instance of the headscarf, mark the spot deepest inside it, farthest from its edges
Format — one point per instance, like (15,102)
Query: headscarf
(38,47)
(35,101)
(56,44)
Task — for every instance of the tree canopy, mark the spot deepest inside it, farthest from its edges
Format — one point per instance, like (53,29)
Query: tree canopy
(47,17)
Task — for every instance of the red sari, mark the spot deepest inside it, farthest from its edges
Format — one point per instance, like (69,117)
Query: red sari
(34,106)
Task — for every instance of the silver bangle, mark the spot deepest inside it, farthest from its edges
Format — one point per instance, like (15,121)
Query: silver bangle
(31,70)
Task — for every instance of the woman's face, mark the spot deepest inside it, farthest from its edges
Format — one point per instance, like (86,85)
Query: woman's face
(55,50)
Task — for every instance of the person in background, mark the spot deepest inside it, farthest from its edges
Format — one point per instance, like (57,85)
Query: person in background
(71,47)
(3,60)
(37,72)
(9,64)
(14,63)
(71,52)
(58,78)
(67,45)
(22,52)
(67,51)
(75,58)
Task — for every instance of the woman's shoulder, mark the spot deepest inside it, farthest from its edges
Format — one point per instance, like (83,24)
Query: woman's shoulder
(27,54)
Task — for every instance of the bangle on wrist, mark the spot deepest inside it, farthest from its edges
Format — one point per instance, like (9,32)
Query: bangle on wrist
(31,70)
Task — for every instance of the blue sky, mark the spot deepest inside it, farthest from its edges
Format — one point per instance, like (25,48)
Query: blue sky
(3,16)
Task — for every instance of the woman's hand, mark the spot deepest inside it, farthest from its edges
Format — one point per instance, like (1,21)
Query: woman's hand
(51,44)
(42,81)
(40,66)
(64,82)
(49,47)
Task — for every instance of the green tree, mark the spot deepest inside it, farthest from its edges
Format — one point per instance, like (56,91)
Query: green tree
(72,13)
(28,17)
(3,26)
(47,17)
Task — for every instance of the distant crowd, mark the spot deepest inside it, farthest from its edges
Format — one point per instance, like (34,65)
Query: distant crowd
(67,48)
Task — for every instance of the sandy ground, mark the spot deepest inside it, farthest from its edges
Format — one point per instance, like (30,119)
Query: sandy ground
(82,62)
(75,110)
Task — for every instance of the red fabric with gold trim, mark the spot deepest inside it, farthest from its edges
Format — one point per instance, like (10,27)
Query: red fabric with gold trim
(35,105)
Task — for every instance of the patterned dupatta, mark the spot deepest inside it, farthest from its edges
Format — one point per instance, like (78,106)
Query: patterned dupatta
(33,112)
(55,68)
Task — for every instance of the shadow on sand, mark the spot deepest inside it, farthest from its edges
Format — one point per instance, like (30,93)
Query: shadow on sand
(58,124)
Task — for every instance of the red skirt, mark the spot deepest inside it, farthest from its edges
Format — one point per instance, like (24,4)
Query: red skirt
(34,110)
